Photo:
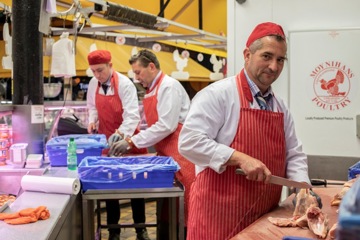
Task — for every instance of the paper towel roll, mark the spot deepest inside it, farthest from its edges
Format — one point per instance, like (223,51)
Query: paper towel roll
(50,184)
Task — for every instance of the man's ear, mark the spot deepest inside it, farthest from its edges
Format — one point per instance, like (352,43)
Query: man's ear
(152,66)
(246,53)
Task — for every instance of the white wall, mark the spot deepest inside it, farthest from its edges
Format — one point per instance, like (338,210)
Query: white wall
(293,15)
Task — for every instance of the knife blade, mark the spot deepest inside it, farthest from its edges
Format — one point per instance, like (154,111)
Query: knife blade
(281,181)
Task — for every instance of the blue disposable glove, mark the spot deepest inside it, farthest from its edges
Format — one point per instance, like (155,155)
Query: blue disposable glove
(114,138)
(119,148)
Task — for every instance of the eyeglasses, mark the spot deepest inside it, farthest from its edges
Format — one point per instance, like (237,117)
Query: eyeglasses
(144,57)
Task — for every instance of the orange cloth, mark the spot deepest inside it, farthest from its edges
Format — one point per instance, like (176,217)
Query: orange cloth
(27,215)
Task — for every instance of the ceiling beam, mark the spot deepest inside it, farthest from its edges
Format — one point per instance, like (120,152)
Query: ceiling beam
(171,37)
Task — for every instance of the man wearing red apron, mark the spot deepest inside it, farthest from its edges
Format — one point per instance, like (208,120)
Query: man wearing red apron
(112,102)
(226,129)
(166,105)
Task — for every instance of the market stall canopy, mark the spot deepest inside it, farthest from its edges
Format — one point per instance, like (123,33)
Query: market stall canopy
(120,57)
(87,23)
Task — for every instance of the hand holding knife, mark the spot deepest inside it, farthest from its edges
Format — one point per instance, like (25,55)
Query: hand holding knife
(280,181)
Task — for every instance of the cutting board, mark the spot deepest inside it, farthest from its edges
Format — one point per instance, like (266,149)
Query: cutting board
(262,229)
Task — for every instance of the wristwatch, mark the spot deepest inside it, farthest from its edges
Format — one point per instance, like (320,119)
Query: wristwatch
(131,144)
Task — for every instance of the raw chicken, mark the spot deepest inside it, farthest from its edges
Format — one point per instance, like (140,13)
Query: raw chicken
(304,200)
(318,222)
(289,222)
(339,196)
(332,231)
(307,213)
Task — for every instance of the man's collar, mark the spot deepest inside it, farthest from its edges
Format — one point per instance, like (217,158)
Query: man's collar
(254,88)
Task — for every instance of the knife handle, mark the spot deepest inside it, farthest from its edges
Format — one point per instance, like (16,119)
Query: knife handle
(240,171)
(318,182)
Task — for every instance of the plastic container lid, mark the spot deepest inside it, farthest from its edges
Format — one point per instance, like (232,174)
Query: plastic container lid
(82,141)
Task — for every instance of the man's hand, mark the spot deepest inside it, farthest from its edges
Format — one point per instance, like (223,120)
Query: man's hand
(254,169)
(114,138)
(119,148)
(91,128)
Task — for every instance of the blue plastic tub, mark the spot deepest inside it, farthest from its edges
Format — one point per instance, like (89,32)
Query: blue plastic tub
(87,145)
(354,170)
(349,214)
(127,172)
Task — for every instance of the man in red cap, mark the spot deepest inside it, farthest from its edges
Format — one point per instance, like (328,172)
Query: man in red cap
(114,111)
(227,128)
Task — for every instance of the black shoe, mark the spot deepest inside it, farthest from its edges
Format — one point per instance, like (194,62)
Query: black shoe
(114,236)
(143,235)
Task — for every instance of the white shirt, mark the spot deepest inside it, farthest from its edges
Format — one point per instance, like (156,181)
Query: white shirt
(128,95)
(211,125)
(173,106)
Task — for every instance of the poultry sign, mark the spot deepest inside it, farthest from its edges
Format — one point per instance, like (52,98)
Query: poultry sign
(332,81)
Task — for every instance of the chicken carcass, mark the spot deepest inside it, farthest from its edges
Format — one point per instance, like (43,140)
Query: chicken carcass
(318,222)
(307,214)
(304,200)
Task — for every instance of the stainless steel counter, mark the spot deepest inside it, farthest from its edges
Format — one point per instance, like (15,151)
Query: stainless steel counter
(65,210)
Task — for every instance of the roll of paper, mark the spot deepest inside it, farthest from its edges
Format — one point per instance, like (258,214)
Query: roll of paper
(50,184)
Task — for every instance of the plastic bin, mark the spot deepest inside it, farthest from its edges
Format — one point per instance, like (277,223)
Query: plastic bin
(127,172)
(87,145)
(354,170)
(349,214)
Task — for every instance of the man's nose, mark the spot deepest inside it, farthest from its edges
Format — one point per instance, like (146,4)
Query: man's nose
(96,74)
(274,65)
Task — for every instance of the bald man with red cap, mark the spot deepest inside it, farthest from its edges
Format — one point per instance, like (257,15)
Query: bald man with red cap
(227,128)
(114,111)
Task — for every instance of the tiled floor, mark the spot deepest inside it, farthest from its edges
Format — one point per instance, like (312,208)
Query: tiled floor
(126,217)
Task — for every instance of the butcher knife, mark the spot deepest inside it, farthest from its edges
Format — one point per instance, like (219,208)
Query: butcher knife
(281,181)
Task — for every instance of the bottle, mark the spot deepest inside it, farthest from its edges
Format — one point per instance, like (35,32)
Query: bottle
(71,155)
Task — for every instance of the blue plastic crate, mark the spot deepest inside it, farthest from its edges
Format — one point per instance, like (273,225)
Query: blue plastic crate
(349,214)
(354,170)
(127,172)
(87,145)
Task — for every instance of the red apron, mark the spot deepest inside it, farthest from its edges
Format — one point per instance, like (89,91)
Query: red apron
(110,112)
(222,205)
(169,145)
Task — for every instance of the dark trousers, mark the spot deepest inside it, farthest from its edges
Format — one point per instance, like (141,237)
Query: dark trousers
(113,213)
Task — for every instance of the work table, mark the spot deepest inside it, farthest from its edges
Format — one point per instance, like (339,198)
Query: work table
(262,229)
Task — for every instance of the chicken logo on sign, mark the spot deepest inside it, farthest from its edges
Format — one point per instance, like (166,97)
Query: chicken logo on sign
(181,63)
(332,85)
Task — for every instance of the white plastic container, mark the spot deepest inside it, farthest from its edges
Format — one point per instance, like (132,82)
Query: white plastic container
(18,153)
(34,161)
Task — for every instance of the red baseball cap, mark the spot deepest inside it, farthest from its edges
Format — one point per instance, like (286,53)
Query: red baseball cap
(265,29)
(99,57)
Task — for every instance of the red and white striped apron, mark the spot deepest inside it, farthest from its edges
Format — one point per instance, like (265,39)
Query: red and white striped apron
(110,112)
(221,205)
(169,145)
